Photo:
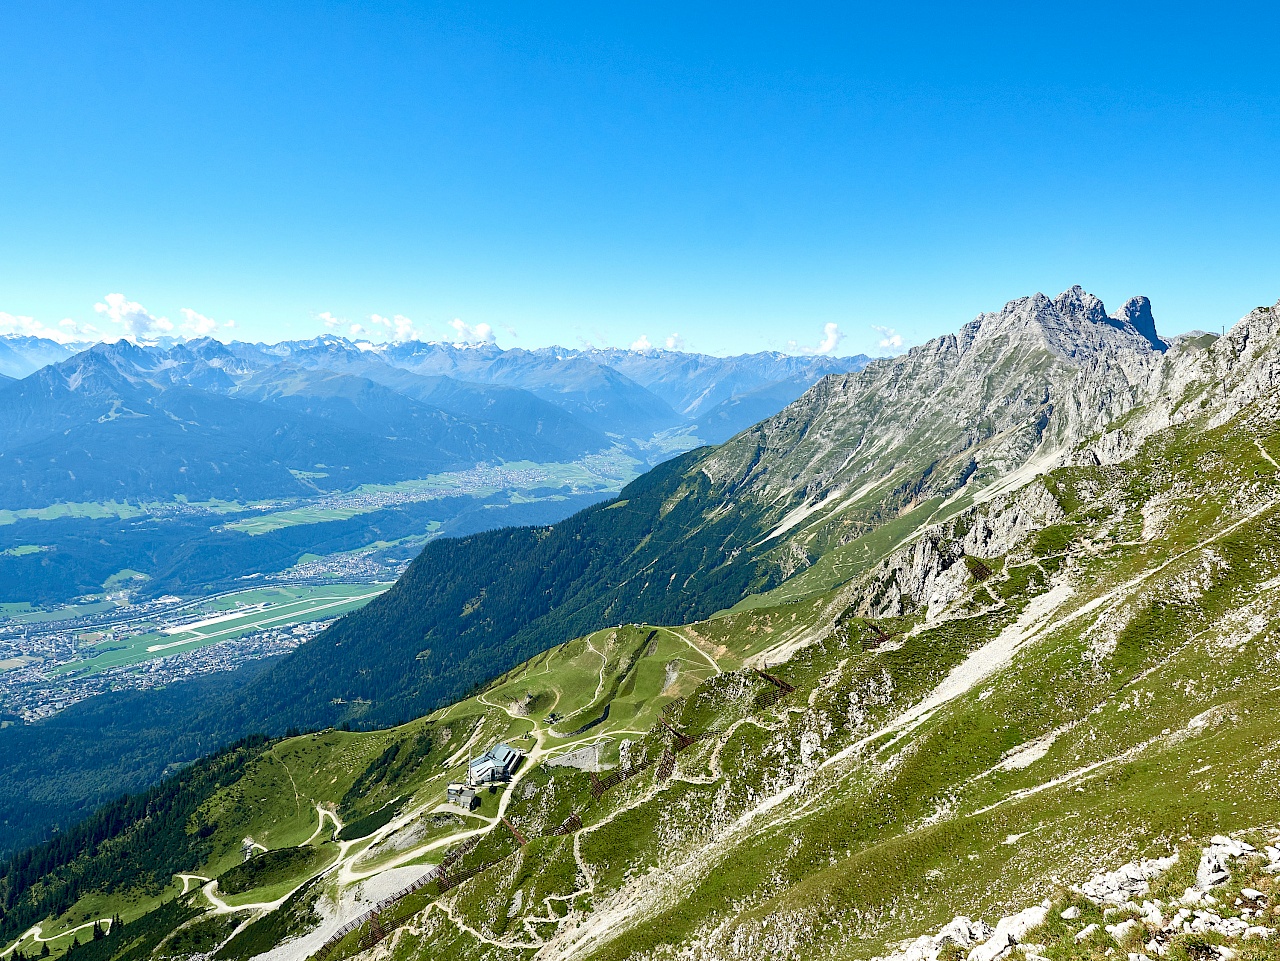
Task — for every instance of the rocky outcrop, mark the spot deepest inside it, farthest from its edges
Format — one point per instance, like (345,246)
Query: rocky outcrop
(1150,924)
(931,571)
(1025,384)
(1200,378)
(1041,383)
(1126,883)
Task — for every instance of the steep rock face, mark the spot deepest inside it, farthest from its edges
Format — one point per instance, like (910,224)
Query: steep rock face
(1025,384)
(1218,376)
(1202,379)
(931,572)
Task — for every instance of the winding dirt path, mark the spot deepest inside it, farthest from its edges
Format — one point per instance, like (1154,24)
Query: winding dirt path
(187,880)
(321,814)
(36,933)
(703,654)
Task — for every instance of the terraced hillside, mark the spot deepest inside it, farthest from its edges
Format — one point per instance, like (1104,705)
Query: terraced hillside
(1077,671)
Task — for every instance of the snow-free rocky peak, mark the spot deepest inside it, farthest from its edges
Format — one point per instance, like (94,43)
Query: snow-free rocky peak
(1073,324)
(1014,388)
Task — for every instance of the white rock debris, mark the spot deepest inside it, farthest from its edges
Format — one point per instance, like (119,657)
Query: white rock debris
(1122,930)
(1009,933)
(1118,887)
(1151,921)
(959,931)
(1086,931)
(1213,868)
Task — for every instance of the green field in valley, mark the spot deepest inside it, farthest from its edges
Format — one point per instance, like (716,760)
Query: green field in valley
(22,550)
(266,523)
(23,614)
(593,473)
(225,618)
(98,510)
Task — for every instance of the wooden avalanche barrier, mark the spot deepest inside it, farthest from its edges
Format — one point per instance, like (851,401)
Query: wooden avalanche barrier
(680,740)
(601,784)
(453,880)
(512,828)
(666,765)
(674,707)
(771,697)
(880,634)
(571,823)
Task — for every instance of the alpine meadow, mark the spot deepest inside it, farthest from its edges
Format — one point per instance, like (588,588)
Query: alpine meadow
(987,631)
(691,482)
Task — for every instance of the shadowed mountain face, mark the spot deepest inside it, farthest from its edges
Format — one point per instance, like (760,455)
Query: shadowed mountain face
(118,422)
(789,506)
(20,356)
(697,384)
(511,407)
(597,395)
(601,385)
(1069,664)
(206,420)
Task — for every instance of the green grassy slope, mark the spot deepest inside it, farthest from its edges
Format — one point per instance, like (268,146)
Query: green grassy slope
(955,731)
(1129,651)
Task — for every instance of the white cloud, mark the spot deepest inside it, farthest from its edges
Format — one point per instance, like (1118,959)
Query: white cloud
(890,339)
(74,331)
(466,334)
(400,327)
(675,342)
(831,337)
(341,326)
(642,343)
(195,324)
(67,331)
(138,324)
(134,322)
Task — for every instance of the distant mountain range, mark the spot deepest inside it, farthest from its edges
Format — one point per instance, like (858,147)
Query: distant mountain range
(790,508)
(206,420)
(21,355)
(957,634)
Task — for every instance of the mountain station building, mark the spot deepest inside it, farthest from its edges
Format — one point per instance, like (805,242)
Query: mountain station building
(496,764)
(463,795)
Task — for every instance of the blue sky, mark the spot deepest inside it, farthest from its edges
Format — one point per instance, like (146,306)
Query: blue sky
(740,176)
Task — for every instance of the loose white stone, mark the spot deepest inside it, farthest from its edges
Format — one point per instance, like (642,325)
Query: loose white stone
(1087,930)
(1122,930)
(1009,931)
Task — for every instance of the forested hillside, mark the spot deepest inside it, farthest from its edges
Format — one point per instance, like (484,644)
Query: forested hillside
(472,607)
(791,508)
(1042,728)
(136,842)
